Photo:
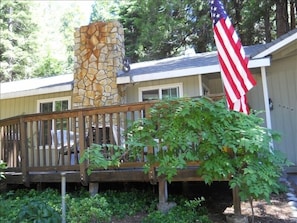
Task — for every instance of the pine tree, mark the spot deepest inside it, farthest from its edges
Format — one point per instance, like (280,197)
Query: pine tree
(17,45)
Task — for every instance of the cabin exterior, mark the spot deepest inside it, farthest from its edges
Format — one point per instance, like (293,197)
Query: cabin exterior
(99,99)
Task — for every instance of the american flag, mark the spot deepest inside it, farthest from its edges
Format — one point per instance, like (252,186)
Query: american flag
(236,76)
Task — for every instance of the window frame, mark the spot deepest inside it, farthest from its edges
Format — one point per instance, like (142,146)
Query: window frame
(53,100)
(160,88)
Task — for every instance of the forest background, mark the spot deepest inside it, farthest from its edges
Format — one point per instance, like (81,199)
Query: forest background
(36,37)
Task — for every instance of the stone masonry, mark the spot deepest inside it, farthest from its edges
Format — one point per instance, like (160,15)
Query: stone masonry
(99,52)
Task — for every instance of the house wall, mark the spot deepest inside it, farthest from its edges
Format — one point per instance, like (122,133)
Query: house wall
(214,83)
(25,105)
(190,87)
(282,89)
(282,86)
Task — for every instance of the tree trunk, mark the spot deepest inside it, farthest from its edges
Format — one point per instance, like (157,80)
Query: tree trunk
(292,14)
(267,23)
(282,24)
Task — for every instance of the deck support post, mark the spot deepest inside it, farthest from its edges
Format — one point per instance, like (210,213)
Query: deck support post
(163,191)
(93,188)
(163,205)
(236,201)
(63,191)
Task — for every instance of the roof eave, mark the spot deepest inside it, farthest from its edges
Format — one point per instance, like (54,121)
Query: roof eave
(276,46)
(39,91)
(262,62)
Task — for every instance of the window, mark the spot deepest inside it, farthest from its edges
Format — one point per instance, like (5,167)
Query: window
(51,105)
(160,92)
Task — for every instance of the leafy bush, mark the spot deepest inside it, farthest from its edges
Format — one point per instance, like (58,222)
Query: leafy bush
(89,209)
(228,144)
(39,212)
(2,167)
(138,201)
(187,212)
(31,205)
(26,205)
(98,158)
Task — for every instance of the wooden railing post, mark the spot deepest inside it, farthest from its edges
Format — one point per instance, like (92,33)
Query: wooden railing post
(24,153)
(82,143)
(150,150)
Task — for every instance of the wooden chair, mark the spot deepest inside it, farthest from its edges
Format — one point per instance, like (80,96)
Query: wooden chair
(60,141)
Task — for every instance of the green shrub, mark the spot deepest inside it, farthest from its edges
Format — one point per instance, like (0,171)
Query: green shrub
(187,212)
(38,212)
(228,145)
(88,210)
(2,167)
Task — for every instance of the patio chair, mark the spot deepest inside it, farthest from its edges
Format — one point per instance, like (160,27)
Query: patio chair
(62,145)
(119,140)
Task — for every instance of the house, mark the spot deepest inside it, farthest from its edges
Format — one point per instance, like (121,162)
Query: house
(98,80)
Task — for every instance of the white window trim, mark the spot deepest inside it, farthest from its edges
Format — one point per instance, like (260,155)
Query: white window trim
(67,98)
(164,86)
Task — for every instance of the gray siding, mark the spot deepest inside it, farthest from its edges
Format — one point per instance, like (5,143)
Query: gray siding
(190,87)
(25,105)
(283,91)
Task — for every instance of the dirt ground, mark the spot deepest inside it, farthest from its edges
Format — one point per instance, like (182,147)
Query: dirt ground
(219,204)
(277,212)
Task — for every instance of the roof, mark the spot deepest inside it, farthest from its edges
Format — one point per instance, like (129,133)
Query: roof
(36,86)
(201,63)
(277,44)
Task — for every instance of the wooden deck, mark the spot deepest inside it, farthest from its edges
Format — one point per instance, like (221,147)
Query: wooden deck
(40,147)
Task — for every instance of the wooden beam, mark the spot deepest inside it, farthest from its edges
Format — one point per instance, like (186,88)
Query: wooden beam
(24,153)
(83,166)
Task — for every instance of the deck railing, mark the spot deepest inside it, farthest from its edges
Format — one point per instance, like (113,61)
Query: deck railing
(55,141)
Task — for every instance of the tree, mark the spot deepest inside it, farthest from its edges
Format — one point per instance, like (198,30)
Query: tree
(70,20)
(56,23)
(105,10)
(17,45)
(282,22)
(227,144)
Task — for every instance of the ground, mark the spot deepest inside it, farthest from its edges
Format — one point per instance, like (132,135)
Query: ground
(278,211)
(219,203)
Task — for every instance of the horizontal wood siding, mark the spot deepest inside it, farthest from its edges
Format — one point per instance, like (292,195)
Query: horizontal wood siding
(190,87)
(25,105)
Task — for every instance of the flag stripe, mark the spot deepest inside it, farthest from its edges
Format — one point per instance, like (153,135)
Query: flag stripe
(236,76)
(232,55)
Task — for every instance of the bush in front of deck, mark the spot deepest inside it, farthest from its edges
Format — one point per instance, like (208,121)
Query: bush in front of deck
(229,145)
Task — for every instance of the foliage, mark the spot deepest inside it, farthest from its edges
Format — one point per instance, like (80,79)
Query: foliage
(176,26)
(83,208)
(17,45)
(187,212)
(70,20)
(37,211)
(106,10)
(2,167)
(102,156)
(179,25)
(28,205)
(48,66)
(228,144)
(131,202)
(88,209)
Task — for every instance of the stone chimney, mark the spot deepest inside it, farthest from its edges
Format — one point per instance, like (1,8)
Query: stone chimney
(98,55)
